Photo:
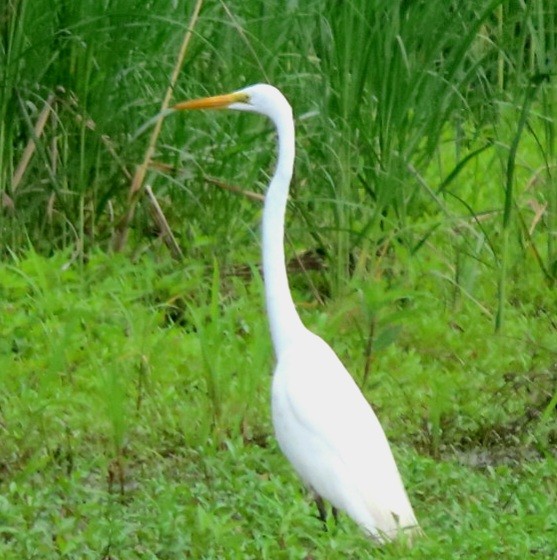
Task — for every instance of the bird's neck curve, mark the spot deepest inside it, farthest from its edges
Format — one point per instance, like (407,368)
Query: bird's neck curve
(284,321)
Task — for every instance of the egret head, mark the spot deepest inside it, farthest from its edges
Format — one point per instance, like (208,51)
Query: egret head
(260,98)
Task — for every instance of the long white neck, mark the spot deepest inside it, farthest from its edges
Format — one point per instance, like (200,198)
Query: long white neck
(284,320)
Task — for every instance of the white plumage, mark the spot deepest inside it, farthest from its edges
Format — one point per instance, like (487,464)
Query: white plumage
(323,423)
(333,439)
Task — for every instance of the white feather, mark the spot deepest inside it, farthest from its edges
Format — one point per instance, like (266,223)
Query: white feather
(333,439)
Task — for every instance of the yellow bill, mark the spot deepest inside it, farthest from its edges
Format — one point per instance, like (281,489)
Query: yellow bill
(214,102)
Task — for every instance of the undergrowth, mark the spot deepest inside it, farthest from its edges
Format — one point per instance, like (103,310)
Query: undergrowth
(135,415)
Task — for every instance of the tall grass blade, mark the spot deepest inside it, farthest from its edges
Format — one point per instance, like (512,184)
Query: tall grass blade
(121,232)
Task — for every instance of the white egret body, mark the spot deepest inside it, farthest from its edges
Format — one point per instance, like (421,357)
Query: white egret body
(322,421)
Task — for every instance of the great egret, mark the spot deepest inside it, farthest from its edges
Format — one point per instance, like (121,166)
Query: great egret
(323,423)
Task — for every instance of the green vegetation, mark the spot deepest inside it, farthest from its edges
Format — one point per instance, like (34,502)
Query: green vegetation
(134,409)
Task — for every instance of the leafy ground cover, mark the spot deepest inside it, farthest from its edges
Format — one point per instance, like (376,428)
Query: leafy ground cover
(135,418)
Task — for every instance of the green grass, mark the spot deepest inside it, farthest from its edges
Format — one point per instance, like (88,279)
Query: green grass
(373,122)
(134,389)
(135,417)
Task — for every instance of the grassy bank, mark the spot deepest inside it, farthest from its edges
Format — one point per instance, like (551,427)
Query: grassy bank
(135,419)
